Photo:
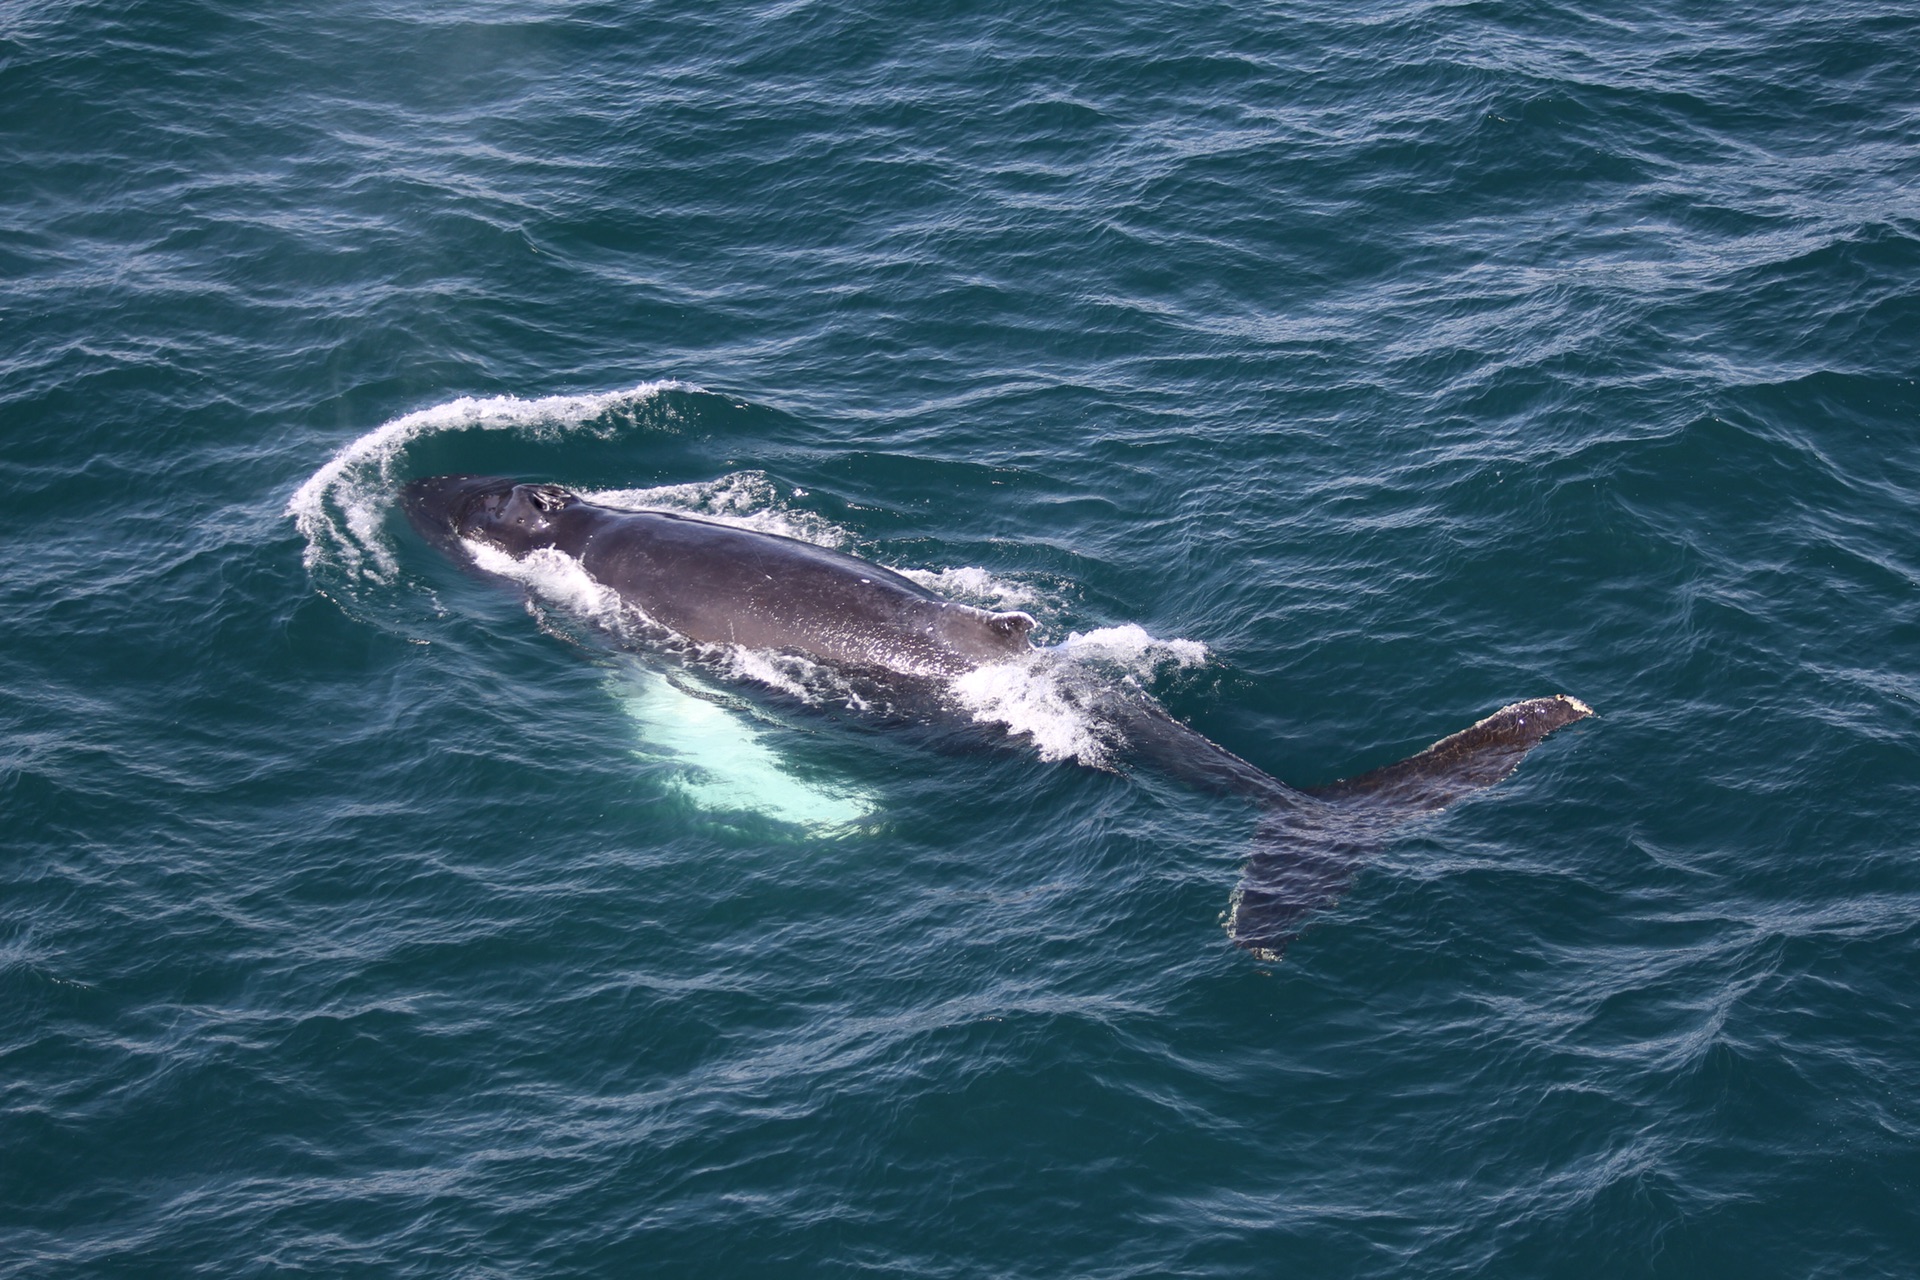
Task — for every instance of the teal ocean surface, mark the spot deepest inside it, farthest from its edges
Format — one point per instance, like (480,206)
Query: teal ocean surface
(1334,373)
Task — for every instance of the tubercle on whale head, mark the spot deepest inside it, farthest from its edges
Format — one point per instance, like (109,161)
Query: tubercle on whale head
(436,506)
(514,517)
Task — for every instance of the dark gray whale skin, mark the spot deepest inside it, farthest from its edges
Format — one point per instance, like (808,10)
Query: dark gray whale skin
(718,584)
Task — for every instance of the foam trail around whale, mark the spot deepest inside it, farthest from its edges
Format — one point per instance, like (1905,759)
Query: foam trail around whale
(1129,646)
(341,508)
(977,586)
(744,499)
(1052,698)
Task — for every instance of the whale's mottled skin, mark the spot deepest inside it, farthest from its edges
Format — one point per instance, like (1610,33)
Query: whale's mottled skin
(719,584)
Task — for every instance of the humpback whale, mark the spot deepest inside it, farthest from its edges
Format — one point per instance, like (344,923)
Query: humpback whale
(718,584)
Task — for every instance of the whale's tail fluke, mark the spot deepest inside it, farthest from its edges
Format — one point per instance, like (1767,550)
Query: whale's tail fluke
(1459,763)
(1310,845)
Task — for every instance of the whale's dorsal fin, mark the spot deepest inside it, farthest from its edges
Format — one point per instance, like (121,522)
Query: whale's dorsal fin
(980,633)
(1015,622)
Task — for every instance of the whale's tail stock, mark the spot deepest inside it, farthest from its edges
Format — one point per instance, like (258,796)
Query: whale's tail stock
(1310,844)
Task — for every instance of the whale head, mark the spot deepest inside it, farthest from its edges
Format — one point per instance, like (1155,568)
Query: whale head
(515,518)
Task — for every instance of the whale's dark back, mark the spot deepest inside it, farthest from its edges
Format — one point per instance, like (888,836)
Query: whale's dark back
(717,583)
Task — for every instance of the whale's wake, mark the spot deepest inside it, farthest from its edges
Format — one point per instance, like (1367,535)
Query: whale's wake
(341,509)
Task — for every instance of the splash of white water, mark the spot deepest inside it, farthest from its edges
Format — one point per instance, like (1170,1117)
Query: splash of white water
(342,506)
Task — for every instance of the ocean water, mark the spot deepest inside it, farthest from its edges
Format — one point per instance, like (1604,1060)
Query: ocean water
(1336,372)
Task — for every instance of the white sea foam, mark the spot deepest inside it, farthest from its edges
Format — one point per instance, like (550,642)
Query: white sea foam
(1031,700)
(785,672)
(1053,697)
(555,577)
(975,586)
(1130,646)
(744,499)
(342,507)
